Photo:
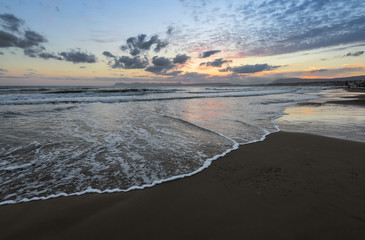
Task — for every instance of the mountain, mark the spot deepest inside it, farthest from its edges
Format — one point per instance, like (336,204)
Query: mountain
(144,85)
(321,81)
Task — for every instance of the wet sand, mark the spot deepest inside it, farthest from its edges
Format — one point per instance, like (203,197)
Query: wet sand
(357,99)
(291,186)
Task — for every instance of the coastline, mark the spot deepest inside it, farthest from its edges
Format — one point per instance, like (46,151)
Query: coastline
(290,186)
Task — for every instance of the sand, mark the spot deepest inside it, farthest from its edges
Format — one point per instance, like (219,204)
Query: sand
(357,99)
(291,186)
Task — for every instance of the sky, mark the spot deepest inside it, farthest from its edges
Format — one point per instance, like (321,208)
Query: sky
(103,42)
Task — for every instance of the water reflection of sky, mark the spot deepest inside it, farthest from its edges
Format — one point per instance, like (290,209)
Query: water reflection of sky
(334,120)
(203,110)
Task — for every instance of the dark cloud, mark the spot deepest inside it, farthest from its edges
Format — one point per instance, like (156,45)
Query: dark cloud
(30,39)
(216,63)
(160,45)
(2,70)
(10,22)
(181,59)
(249,68)
(140,44)
(169,30)
(39,52)
(32,42)
(318,70)
(108,54)
(1,53)
(161,61)
(24,40)
(160,65)
(130,62)
(82,66)
(77,56)
(7,40)
(354,54)
(126,62)
(209,53)
(193,77)
(46,55)
(32,52)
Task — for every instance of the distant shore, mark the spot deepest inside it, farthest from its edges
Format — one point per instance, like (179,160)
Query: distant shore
(290,186)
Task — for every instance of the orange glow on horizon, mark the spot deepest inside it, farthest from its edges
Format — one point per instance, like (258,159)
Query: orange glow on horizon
(315,77)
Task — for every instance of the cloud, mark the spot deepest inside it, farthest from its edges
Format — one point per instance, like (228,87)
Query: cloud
(77,56)
(194,77)
(209,53)
(130,62)
(343,33)
(39,52)
(108,54)
(46,56)
(31,39)
(181,58)
(140,44)
(354,54)
(337,72)
(163,73)
(249,68)
(161,65)
(126,62)
(161,61)
(169,30)
(265,28)
(10,22)
(32,52)
(32,42)
(216,63)
(23,39)
(318,70)
(7,40)
(3,71)
(26,40)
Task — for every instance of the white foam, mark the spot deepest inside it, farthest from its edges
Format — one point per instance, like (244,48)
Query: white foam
(116,190)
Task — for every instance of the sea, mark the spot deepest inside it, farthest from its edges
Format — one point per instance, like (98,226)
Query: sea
(64,141)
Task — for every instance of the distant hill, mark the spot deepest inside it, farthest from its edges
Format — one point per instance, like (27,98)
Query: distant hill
(144,85)
(356,81)
(320,81)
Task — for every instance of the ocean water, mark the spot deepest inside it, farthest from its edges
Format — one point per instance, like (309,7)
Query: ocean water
(59,141)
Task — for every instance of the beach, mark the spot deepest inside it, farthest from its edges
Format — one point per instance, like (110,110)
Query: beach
(290,186)
(182,119)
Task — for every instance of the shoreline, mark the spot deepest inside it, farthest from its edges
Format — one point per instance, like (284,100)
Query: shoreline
(357,99)
(290,186)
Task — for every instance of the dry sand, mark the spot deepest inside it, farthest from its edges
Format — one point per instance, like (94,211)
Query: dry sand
(291,186)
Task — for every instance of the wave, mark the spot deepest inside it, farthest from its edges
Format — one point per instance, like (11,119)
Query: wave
(34,100)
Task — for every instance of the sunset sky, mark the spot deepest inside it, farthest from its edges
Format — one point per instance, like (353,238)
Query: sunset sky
(101,42)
